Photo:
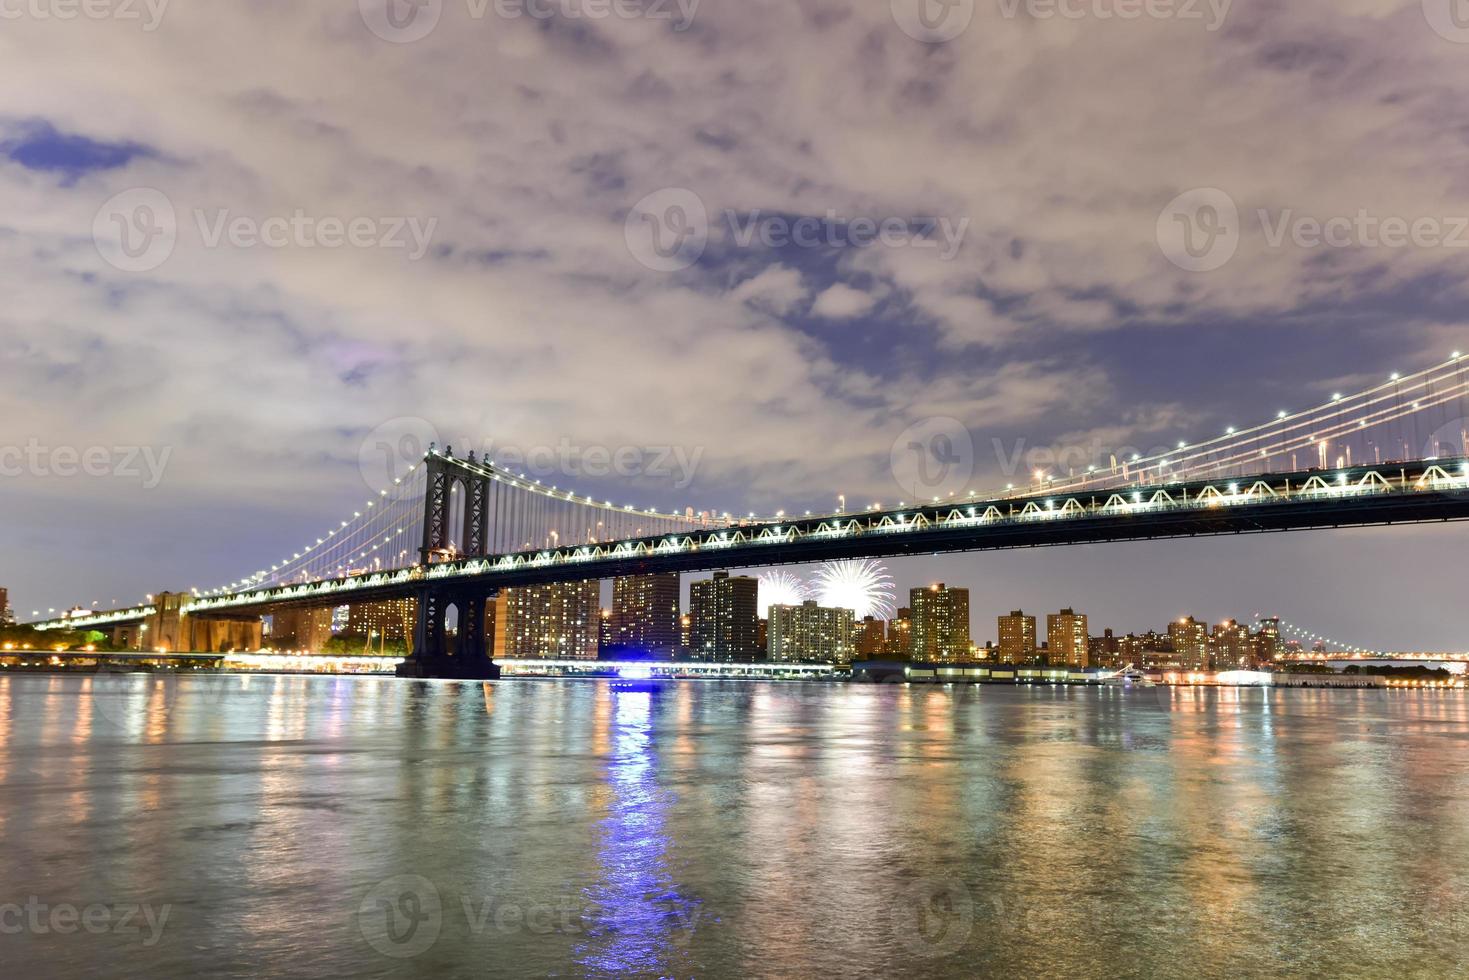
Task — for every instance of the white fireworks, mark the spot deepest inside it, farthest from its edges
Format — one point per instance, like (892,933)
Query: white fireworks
(863,586)
(781,589)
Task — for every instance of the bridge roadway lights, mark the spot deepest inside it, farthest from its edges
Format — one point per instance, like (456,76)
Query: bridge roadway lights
(467,658)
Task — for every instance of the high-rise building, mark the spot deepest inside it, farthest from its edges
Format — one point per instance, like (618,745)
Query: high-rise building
(645,614)
(810,633)
(869,637)
(7,615)
(392,620)
(606,644)
(1066,639)
(1231,647)
(1190,643)
(559,621)
(1267,640)
(724,616)
(1017,638)
(899,643)
(940,623)
(1105,651)
(299,629)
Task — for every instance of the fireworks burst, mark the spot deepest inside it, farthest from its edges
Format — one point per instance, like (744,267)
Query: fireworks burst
(864,586)
(781,589)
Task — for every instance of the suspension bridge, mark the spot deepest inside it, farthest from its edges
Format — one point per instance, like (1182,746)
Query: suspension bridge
(455,531)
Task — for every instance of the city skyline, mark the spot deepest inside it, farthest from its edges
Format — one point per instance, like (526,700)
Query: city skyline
(1058,325)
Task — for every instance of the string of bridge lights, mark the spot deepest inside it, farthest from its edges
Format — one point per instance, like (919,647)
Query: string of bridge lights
(369,510)
(523,482)
(1337,402)
(1140,465)
(1302,633)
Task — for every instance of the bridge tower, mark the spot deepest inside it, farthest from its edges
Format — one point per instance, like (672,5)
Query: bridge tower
(456,518)
(456,524)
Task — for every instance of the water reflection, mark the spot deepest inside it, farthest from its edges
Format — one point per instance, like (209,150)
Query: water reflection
(741,829)
(638,919)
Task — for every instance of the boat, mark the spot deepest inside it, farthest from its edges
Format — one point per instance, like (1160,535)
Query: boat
(1129,676)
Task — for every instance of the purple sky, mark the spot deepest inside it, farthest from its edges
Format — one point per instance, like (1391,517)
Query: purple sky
(499,169)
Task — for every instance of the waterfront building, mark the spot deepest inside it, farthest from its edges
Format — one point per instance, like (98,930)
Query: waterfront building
(899,642)
(940,623)
(290,629)
(1231,647)
(810,633)
(7,615)
(559,621)
(1105,651)
(869,637)
(383,620)
(1067,639)
(1267,641)
(724,616)
(604,634)
(644,615)
(1017,638)
(1190,640)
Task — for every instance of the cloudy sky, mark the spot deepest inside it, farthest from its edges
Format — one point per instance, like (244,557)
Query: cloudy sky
(244,242)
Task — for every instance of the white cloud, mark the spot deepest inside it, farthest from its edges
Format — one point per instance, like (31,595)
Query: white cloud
(842,302)
(777,289)
(1058,141)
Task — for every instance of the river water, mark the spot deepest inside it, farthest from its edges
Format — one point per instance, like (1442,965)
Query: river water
(287,826)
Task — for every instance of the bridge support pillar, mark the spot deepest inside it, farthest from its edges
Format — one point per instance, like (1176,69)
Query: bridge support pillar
(437,654)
